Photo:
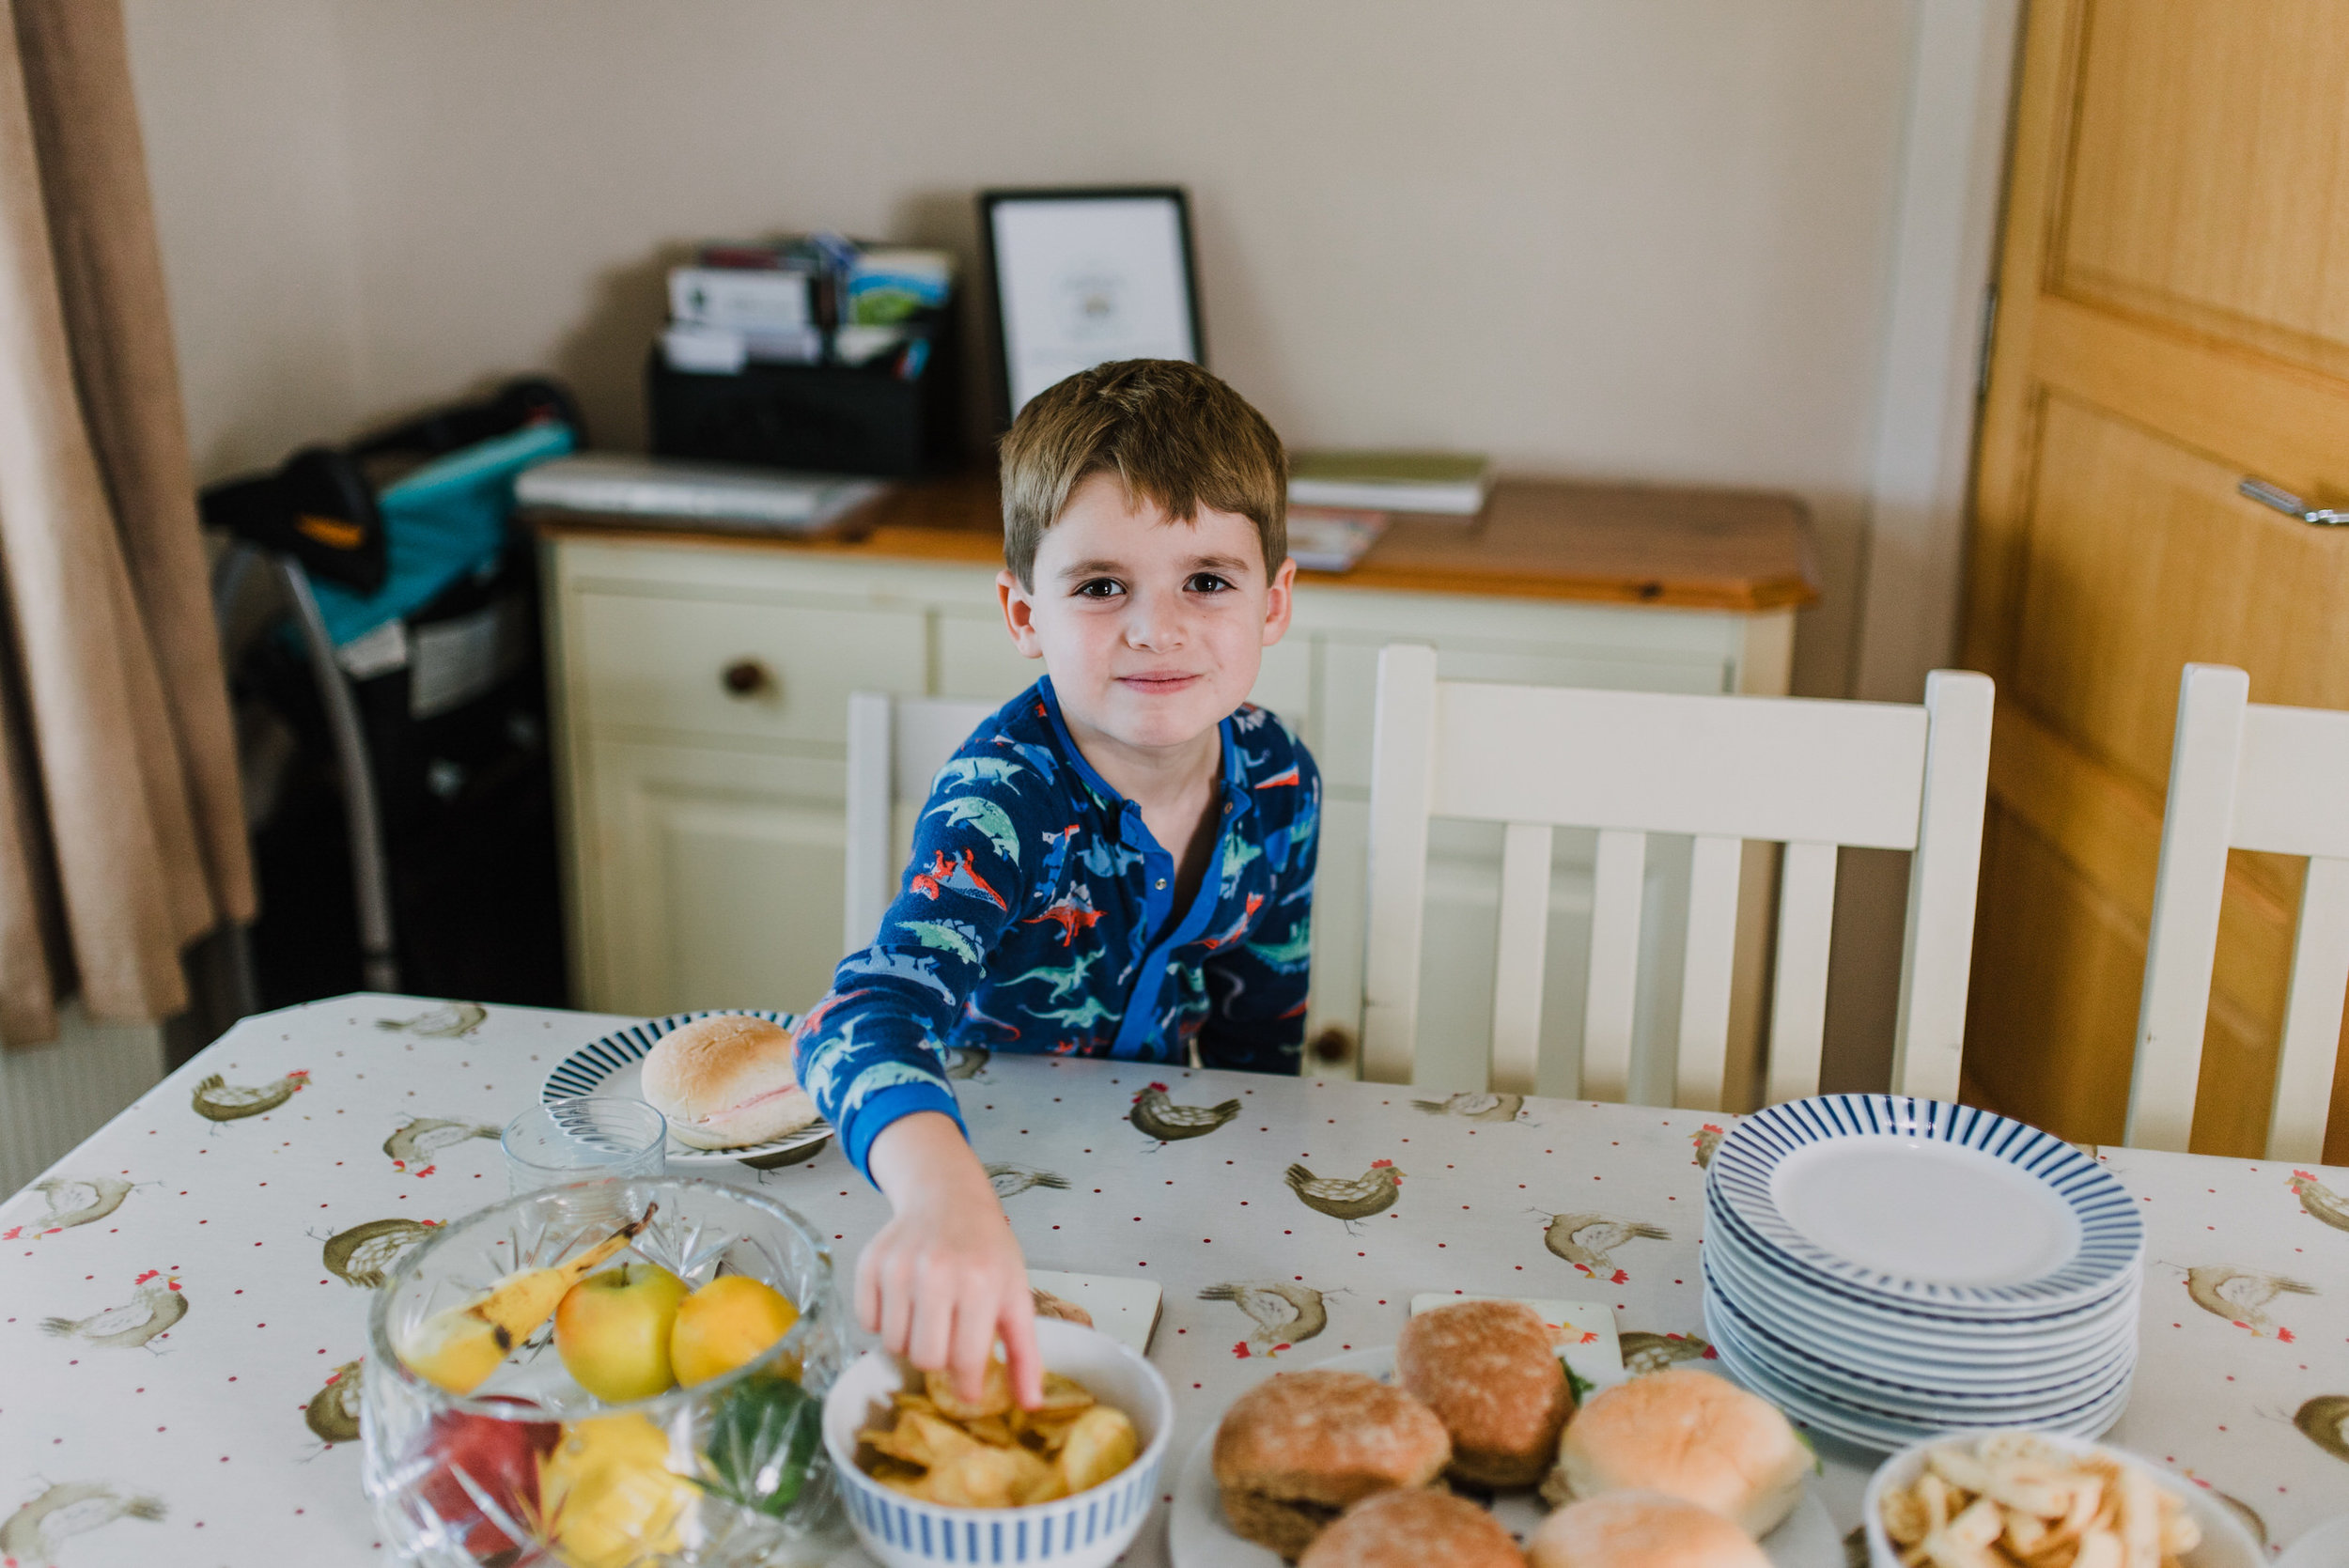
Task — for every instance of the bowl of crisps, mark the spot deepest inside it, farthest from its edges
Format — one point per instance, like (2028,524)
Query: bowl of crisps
(928,1479)
(2042,1500)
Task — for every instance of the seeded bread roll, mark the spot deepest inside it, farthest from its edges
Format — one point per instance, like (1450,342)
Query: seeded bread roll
(1413,1530)
(1692,1435)
(1641,1529)
(726,1081)
(1491,1374)
(1297,1449)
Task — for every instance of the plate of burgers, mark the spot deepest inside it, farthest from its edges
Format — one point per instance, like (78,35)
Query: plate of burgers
(1462,1444)
(728,1082)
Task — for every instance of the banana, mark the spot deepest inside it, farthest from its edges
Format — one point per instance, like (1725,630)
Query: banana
(459,1348)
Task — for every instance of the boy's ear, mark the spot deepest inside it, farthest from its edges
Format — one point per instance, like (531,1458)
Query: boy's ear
(1020,614)
(1277,605)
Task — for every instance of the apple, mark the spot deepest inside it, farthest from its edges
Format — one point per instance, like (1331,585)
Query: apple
(728,1323)
(478,1460)
(611,1330)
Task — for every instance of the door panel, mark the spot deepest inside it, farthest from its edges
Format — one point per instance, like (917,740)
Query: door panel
(2174,316)
(2209,170)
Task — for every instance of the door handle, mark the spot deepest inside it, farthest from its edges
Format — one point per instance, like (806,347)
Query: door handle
(2290,505)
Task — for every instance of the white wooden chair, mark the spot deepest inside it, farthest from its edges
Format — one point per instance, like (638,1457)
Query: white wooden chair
(2245,775)
(896,745)
(1812,775)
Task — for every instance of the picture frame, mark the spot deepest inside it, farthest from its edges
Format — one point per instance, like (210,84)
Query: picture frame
(1086,275)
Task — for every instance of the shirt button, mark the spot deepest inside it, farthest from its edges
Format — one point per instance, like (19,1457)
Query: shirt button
(1161,884)
(1227,808)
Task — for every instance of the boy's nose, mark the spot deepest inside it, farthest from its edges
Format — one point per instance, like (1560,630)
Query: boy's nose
(1157,621)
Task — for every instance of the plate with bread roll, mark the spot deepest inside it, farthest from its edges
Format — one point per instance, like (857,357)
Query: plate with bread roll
(725,1081)
(1461,1444)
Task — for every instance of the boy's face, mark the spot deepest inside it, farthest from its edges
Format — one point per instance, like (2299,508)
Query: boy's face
(1151,628)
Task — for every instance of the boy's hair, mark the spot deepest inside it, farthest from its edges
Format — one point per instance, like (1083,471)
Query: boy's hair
(1169,430)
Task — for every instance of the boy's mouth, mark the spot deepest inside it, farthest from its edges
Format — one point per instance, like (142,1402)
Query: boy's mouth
(1159,683)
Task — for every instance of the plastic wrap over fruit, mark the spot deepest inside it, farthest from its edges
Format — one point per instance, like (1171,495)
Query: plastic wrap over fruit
(573,1440)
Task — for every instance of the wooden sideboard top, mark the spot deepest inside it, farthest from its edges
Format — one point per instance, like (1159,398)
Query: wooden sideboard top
(1536,538)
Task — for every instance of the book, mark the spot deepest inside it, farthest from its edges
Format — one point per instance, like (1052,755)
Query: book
(1452,482)
(695,495)
(740,298)
(1330,538)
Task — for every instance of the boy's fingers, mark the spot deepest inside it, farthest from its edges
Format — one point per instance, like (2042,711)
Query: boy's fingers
(897,1310)
(1018,1322)
(974,1343)
(933,1329)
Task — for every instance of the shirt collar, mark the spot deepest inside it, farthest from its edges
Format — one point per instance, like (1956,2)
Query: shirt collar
(1234,787)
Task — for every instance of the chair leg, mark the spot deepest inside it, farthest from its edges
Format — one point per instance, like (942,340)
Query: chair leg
(371,879)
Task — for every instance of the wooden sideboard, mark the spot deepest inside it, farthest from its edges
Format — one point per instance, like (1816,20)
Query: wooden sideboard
(701,682)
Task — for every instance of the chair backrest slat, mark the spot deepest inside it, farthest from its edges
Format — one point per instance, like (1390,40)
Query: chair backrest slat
(1707,972)
(1611,998)
(1524,941)
(2182,939)
(2312,1009)
(1937,945)
(1811,775)
(896,745)
(2245,775)
(1806,924)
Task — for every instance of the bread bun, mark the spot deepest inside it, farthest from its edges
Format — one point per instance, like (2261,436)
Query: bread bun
(726,1081)
(1412,1529)
(1297,1449)
(1491,1373)
(1692,1435)
(1640,1529)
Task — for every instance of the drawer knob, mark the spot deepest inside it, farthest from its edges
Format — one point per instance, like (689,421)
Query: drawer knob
(1332,1044)
(745,677)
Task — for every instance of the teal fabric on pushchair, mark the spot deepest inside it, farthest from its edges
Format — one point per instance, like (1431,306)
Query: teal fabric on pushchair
(443,523)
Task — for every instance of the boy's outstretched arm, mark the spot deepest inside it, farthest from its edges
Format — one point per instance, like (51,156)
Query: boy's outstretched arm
(946,1277)
(938,1283)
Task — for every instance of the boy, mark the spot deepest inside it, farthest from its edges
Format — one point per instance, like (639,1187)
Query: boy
(1119,863)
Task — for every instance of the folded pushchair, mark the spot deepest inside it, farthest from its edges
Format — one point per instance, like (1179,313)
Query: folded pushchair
(399,784)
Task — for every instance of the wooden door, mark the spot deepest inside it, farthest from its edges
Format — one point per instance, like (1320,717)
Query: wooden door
(2173,317)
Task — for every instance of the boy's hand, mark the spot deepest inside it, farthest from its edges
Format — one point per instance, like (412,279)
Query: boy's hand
(944,1278)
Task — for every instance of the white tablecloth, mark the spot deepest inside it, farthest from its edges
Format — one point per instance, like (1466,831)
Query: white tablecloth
(174,1334)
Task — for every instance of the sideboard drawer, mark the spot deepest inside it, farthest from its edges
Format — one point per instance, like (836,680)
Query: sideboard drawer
(720,667)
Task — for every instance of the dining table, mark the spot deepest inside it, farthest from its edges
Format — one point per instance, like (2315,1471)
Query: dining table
(183,1305)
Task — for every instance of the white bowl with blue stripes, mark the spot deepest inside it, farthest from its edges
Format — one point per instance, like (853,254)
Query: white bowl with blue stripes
(1941,1208)
(1086,1530)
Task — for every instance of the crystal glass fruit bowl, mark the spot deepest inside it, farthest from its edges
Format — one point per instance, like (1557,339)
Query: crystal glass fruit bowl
(526,1466)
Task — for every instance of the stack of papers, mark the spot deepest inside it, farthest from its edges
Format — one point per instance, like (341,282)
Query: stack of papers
(1328,539)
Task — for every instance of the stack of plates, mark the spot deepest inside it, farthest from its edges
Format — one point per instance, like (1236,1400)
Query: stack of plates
(1885,1268)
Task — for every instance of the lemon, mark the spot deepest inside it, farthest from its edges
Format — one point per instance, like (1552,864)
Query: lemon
(607,1494)
(728,1322)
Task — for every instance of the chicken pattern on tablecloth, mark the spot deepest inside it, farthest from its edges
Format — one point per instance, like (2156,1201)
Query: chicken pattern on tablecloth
(1039,915)
(229,1437)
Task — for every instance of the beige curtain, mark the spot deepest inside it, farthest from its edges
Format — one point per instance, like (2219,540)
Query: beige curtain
(121,835)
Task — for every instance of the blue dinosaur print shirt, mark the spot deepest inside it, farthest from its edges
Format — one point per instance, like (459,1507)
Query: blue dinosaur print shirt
(1038,915)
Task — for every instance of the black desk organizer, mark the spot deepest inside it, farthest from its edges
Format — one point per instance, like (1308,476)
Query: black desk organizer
(825,418)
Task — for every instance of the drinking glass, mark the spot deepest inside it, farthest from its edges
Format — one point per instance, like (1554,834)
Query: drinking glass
(581,1138)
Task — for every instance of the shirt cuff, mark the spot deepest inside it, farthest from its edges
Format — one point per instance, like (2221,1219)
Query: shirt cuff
(894,1104)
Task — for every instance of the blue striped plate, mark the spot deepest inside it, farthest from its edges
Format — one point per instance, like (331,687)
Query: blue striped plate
(1928,1203)
(614,1066)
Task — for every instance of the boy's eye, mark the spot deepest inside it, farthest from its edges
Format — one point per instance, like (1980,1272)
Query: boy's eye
(1100,588)
(1206,583)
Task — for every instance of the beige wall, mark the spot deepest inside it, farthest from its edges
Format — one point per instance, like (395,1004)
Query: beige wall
(1644,239)
(1651,240)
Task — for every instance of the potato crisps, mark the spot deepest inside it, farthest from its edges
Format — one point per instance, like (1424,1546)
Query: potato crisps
(991,1453)
(2015,1501)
